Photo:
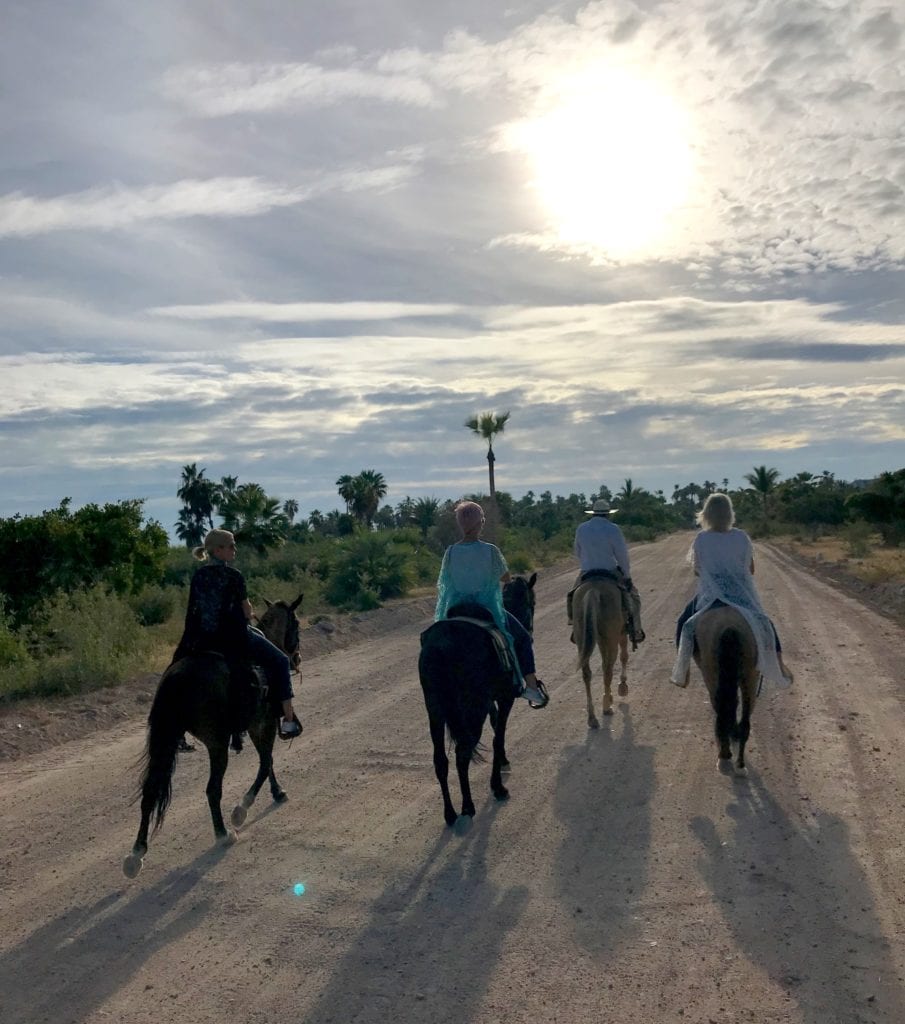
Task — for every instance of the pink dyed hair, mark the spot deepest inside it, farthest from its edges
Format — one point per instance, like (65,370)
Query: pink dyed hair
(469,514)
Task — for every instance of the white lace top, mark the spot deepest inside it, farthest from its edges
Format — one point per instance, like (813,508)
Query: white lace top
(723,561)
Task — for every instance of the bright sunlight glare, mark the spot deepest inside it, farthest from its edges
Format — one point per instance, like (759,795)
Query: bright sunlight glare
(611,160)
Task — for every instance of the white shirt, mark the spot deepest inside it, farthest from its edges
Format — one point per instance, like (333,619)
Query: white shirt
(599,544)
(716,551)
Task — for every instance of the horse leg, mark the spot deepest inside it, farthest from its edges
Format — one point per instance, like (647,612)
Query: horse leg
(623,665)
(441,767)
(586,676)
(218,754)
(494,722)
(744,728)
(133,864)
(463,763)
(260,738)
(609,660)
(499,751)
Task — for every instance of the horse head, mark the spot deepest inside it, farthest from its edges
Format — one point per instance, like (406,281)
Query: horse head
(280,625)
(519,599)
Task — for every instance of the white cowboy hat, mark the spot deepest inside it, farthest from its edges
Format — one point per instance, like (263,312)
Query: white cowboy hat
(601,507)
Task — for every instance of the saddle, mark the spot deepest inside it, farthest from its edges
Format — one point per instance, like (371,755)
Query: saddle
(617,576)
(478,615)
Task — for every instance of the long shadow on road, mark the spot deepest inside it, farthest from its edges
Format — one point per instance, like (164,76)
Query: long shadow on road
(603,795)
(432,944)
(800,908)
(73,964)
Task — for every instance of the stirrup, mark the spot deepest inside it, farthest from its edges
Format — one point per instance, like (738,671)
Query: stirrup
(542,690)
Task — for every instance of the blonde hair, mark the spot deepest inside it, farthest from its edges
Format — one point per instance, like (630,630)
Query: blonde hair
(717,513)
(213,539)
(469,515)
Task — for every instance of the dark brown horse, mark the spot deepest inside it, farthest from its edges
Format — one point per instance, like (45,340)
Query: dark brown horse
(196,695)
(599,622)
(462,679)
(519,599)
(726,653)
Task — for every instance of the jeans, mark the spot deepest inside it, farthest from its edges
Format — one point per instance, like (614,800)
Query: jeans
(522,642)
(274,663)
(689,610)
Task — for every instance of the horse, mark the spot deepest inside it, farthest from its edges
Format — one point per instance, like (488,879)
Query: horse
(194,696)
(461,678)
(726,654)
(599,621)
(519,599)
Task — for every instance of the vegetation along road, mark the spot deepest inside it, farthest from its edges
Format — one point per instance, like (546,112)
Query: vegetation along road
(625,879)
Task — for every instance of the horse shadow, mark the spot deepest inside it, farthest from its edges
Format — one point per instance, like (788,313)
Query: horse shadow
(603,796)
(823,945)
(75,963)
(432,944)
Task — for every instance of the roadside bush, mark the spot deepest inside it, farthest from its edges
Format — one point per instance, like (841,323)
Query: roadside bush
(369,568)
(154,605)
(79,641)
(857,537)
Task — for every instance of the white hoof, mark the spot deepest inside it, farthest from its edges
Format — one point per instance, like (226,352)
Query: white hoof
(230,839)
(239,815)
(132,866)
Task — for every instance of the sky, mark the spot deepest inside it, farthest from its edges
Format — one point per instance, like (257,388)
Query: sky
(290,241)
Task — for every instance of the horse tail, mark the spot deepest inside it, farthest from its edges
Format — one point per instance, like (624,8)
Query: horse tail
(729,677)
(464,720)
(165,728)
(586,628)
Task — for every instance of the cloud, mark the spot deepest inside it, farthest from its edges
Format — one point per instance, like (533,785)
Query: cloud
(217,90)
(111,207)
(304,312)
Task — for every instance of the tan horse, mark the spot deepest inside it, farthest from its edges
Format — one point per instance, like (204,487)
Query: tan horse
(726,653)
(599,622)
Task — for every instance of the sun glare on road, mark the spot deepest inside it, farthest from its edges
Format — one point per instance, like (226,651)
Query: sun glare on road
(611,160)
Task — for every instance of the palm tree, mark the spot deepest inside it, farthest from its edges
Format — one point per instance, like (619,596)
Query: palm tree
(255,518)
(488,425)
(763,480)
(290,509)
(199,498)
(424,513)
(369,489)
(346,487)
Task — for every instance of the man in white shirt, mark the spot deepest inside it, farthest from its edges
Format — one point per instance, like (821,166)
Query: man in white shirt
(601,551)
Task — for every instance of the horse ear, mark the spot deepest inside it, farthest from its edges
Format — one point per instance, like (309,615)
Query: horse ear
(532,579)
(269,605)
(296,603)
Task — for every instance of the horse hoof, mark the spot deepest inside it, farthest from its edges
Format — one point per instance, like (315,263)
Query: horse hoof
(132,866)
(463,824)
(608,711)
(280,798)
(502,793)
(239,815)
(724,766)
(623,689)
(230,839)
(741,772)
(593,723)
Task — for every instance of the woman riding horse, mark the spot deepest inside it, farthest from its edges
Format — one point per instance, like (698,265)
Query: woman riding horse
(472,572)
(723,560)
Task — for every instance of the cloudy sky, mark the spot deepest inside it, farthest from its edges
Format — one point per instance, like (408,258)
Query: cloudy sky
(289,241)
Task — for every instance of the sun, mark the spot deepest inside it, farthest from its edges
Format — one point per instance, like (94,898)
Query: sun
(611,161)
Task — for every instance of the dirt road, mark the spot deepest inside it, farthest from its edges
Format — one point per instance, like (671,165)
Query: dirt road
(625,879)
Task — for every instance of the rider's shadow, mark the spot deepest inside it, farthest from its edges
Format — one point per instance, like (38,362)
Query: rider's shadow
(822,943)
(603,795)
(73,964)
(432,945)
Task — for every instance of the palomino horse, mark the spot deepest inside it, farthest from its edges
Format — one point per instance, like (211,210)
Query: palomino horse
(726,653)
(461,677)
(194,695)
(599,622)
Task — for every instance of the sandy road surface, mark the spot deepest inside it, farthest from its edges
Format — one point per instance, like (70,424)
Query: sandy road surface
(625,880)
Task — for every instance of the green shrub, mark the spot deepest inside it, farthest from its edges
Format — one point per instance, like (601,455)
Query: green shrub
(857,537)
(368,569)
(79,641)
(154,605)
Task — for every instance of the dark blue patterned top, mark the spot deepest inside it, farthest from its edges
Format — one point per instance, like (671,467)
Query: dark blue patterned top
(215,619)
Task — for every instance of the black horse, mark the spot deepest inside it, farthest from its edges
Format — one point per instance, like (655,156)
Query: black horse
(519,599)
(194,695)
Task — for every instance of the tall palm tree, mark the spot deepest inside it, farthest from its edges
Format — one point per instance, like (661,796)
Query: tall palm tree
(290,509)
(346,487)
(763,481)
(488,425)
(199,498)
(255,518)
(370,489)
